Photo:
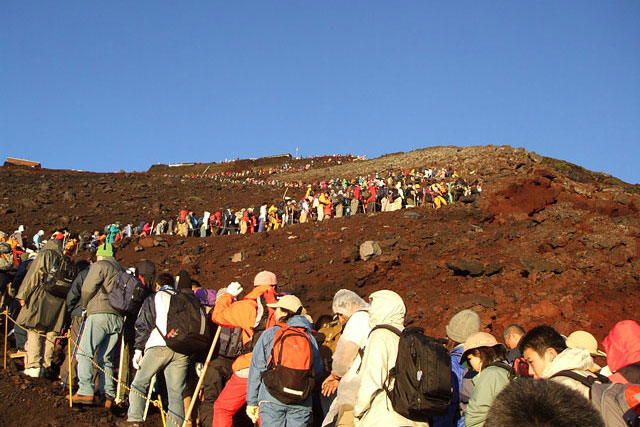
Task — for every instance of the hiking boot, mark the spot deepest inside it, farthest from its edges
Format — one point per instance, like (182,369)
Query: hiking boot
(81,399)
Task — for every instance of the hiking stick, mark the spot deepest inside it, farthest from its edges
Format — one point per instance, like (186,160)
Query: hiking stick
(75,350)
(69,355)
(146,405)
(152,224)
(201,379)
(119,387)
(6,323)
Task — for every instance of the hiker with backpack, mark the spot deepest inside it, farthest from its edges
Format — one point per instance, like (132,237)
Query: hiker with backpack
(460,327)
(253,317)
(102,328)
(152,354)
(547,354)
(220,370)
(43,306)
(373,405)
(486,356)
(352,312)
(284,364)
(144,284)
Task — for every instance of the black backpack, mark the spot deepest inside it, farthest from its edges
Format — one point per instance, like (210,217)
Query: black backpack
(189,329)
(128,294)
(230,342)
(422,375)
(58,280)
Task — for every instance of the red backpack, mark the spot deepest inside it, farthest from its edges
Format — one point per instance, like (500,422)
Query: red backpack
(289,375)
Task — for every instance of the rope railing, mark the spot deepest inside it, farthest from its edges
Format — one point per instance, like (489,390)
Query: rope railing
(157,402)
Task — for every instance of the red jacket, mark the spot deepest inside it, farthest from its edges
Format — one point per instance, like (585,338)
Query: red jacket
(622,346)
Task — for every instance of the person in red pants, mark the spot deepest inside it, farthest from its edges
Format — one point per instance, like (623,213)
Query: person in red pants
(253,316)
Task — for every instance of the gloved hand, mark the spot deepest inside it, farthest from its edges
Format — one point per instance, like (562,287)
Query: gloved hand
(234,289)
(137,359)
(254,413)
(84,314)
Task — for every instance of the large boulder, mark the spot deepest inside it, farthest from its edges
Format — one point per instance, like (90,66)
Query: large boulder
(369,249)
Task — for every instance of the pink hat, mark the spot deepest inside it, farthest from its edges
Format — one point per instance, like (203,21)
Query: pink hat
(265,278)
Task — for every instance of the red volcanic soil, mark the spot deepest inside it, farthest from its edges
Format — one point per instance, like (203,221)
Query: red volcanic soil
(547,242)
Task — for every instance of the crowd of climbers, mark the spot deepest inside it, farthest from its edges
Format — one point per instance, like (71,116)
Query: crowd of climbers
(359,365)
(334,198)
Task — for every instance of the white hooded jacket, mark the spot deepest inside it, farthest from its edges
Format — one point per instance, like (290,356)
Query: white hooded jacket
(373,407)
(577,360)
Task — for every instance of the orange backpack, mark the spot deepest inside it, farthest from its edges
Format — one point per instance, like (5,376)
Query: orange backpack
(289,375)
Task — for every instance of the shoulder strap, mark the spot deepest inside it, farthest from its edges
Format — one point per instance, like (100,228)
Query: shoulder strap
(388,328)
(586,380)
(507,367)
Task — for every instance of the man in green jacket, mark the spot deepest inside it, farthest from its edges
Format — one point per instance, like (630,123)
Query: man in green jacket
(102,328)
(41,313)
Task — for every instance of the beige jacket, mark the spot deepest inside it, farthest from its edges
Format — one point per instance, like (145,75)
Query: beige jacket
(373,407)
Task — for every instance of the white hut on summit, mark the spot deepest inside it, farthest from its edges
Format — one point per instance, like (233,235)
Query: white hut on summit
(12,161)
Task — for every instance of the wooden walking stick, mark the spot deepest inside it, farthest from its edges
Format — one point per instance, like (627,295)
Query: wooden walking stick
(119,387)
(146,405)
(6,324)
(201,379)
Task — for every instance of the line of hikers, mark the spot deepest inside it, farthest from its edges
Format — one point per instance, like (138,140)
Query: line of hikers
(358,366)
(331,199)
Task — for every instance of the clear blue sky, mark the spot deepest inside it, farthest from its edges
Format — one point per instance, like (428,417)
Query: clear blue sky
(114,85)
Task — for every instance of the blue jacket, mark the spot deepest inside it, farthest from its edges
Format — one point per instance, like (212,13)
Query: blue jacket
(256,390)
(454,415)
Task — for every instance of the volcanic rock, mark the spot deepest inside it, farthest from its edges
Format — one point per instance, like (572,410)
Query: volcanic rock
(466,268)
(369,249)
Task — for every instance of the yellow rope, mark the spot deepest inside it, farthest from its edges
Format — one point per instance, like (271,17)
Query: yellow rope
(156,403)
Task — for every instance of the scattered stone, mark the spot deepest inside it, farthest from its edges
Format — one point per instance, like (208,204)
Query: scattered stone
(413,215)
(197,250)
(369,249)
(471,300)
(146,242)
(138,248)
(179,242)
(237,257)
(303,258)
(160,241)
(466,268)
(476,228)
(188,259)
(541,265)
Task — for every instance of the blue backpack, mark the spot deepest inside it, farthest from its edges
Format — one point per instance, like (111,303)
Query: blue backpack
(128,294)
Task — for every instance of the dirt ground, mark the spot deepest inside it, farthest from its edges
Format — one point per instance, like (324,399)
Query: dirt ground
(547,242)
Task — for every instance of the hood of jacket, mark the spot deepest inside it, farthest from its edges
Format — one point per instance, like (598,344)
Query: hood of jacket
(387,308)
(623,345)
(569,360)
(299,322)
